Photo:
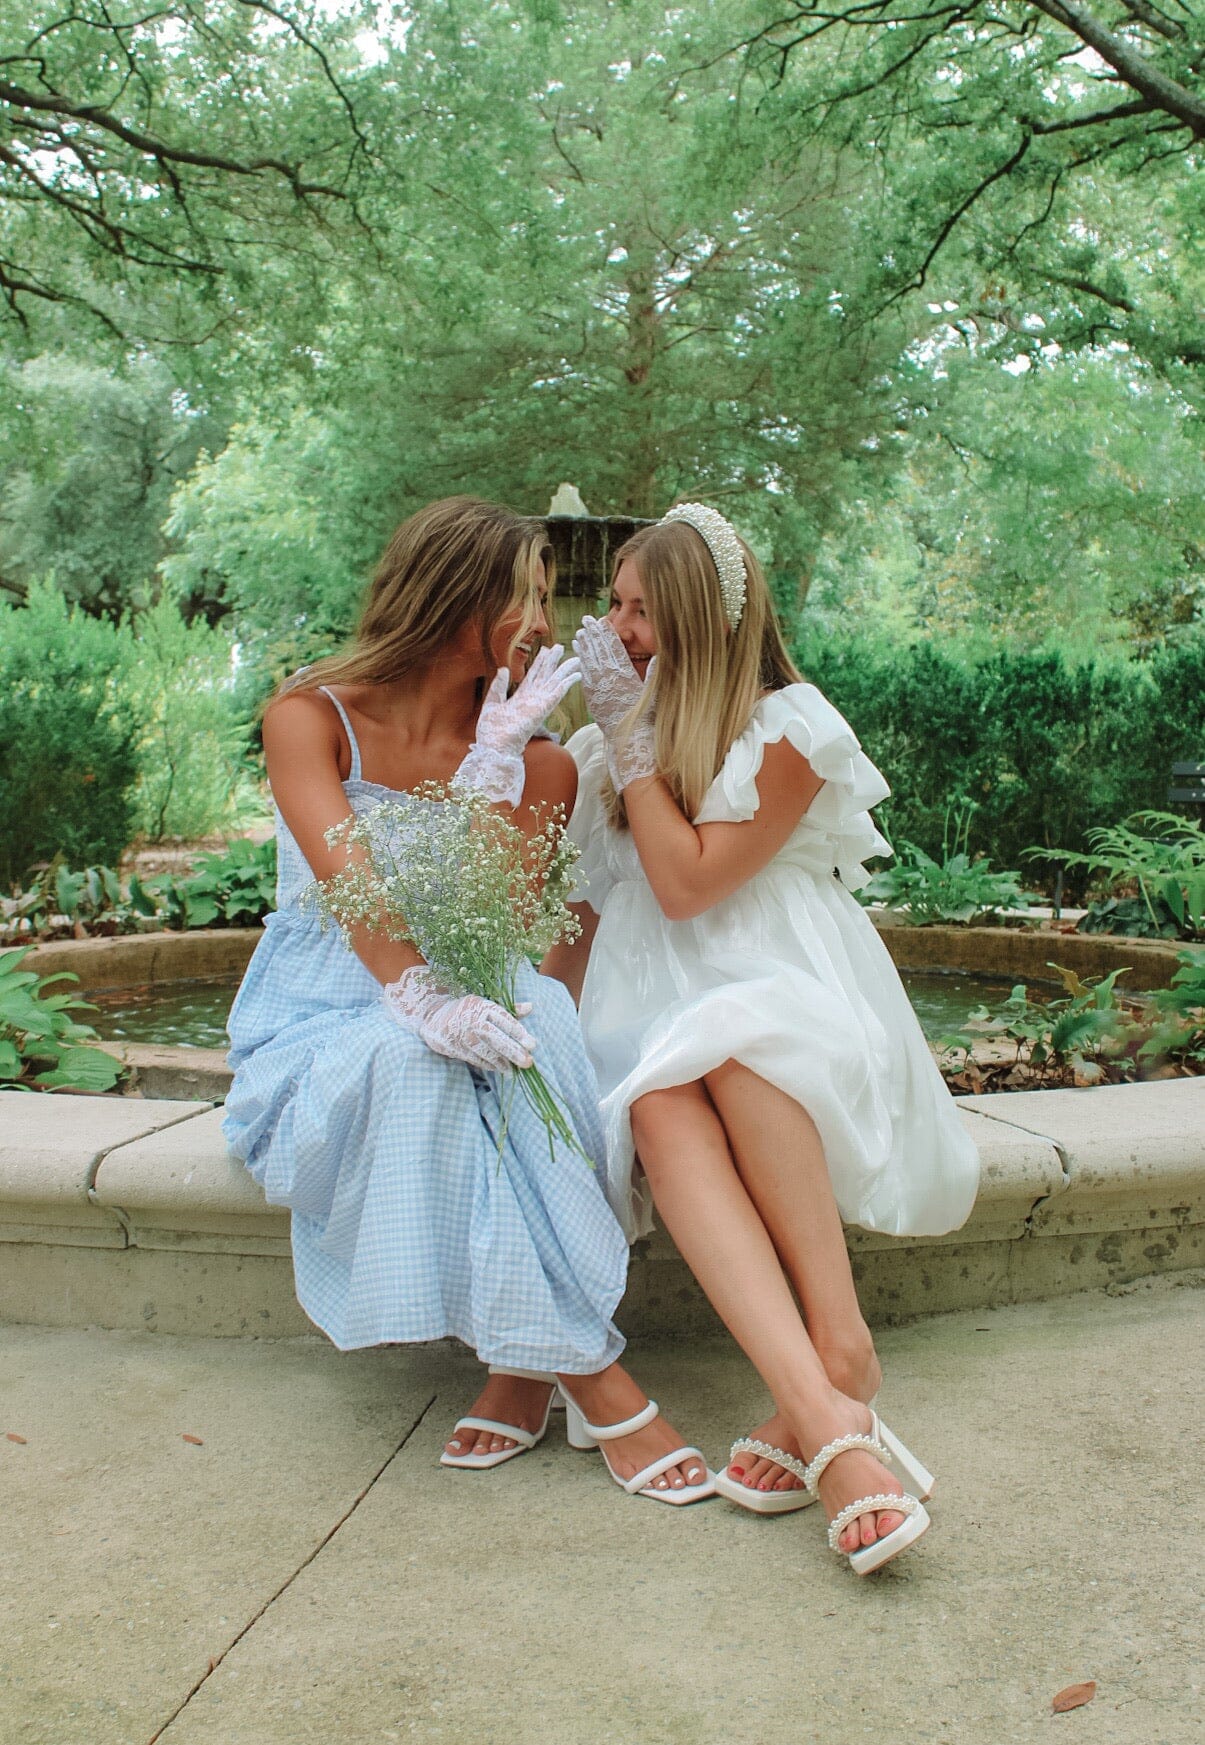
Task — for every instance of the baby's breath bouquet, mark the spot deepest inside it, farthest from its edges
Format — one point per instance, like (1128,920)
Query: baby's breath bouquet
(456,879)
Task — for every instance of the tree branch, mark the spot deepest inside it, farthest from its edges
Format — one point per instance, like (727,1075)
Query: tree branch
(1156,20)
(160,150)
(1132,67)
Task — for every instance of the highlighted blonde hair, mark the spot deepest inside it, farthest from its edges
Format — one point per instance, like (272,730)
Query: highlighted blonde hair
(708,678)
(456,561)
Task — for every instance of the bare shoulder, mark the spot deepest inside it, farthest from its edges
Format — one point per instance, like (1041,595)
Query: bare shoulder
(551,775)
(300,722)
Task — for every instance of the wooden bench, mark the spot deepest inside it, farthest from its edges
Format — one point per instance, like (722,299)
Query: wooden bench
(1188,786)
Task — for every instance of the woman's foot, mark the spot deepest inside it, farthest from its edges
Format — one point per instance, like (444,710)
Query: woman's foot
(853,1474)
(509,1399)
(611,1396)
(760,1474)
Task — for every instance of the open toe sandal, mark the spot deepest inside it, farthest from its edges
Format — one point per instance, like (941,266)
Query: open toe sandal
(916,1517)
(642,1484)
(523,1439)
(771,1502)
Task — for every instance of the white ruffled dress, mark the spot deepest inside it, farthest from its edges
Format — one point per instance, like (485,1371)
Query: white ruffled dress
(787,976)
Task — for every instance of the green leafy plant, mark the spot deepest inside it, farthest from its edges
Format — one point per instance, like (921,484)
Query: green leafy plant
(96,901)
(43,1044)
(235,888)
(68,757)
(1160,853)
(1090,1034)
(958,888)
(1046,746)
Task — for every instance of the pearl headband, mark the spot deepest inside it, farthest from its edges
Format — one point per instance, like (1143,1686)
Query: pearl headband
(722,543)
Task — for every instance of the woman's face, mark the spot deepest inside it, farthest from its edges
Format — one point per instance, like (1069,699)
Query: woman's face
(534,628)
(628,616)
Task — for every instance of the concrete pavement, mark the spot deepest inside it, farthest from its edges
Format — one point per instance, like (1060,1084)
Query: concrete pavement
(308,1573)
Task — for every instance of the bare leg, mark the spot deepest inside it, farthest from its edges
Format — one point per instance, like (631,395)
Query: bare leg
(780,1160)
(608,1397)
(719,1231)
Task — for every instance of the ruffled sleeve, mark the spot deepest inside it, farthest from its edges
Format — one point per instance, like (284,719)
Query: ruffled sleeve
(839,817)
(588,827)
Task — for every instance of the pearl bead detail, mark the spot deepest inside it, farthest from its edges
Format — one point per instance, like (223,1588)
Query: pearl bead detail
(904,1505)
(720,538)
(767,1451)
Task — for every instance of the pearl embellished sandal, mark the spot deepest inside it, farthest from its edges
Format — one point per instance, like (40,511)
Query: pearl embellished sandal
(771,1502)
(890,1452)
(584,1435)
(522,1439)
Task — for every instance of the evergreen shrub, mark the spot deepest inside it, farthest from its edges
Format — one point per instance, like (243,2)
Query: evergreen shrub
(1044,749)
(68,759)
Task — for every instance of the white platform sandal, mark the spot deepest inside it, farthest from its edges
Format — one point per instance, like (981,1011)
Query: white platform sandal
(585,1435)
(764,1502)
(523,1439)
(889,1452)
(914,1476)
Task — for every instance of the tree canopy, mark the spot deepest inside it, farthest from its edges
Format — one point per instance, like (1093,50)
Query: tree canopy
(911,290)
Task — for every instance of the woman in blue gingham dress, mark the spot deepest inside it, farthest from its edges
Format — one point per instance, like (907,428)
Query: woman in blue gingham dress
(366,1097)
(384,1151)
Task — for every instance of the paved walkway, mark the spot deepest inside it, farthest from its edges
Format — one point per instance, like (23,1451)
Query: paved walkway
(309,1574)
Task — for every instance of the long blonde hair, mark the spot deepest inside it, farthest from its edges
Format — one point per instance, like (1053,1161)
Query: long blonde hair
(457,560)
(708,677)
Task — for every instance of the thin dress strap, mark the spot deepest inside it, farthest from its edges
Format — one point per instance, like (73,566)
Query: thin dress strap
(354,773)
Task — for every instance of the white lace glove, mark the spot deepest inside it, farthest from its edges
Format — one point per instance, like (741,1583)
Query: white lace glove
(460,1026)
(612,690)
(494,763)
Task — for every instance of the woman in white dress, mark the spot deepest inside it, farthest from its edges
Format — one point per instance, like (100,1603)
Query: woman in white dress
(763,1073)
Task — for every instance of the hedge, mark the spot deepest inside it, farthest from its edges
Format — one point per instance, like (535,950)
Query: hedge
(1043,748)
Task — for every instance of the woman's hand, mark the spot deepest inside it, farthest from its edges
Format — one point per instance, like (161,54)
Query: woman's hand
(494,764)
(612,691)
(461,1027)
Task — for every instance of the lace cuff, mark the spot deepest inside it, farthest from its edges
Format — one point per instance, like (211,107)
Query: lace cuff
(592,876)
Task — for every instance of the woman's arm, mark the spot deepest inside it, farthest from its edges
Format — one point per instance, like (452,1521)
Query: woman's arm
(568,961)
(301,749)
(691,867)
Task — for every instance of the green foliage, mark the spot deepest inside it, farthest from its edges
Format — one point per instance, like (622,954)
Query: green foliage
(164,162)
(43,1044)
(88,459)
(1046,749)
(195,777)
(107,730)
(1133,917)
(1068,501)
(1179,1032)
(236,888)
(955,888)
(68,761)
(96,901)
(1161,853)
(285,523)
(1091,1034)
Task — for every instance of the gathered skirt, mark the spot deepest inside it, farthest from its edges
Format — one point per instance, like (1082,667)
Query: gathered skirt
(427,1200)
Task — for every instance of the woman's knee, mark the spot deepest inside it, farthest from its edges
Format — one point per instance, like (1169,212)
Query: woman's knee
(657,1117)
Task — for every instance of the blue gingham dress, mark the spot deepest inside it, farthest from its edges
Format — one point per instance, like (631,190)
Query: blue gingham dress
(407,1222)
